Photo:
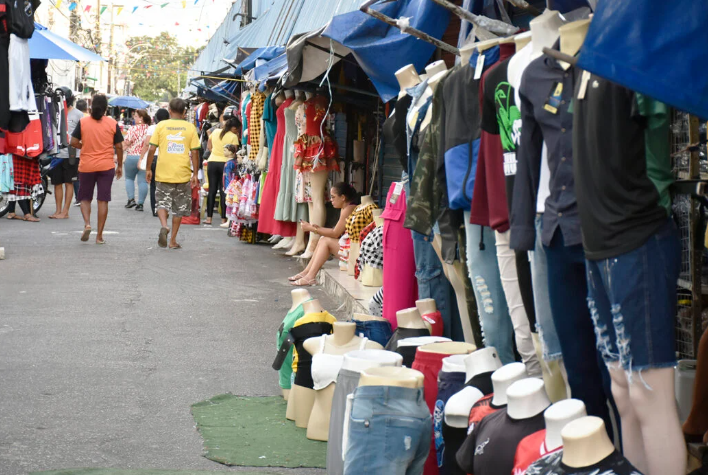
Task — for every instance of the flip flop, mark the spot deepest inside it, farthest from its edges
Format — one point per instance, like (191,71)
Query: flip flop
(31,219)
(85,235)
(295,277)
(14,216)
(162,239)
(304,283)
(176,247)
(100,242)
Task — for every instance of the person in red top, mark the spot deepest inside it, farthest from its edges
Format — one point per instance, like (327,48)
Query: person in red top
(133,145)
(97,136)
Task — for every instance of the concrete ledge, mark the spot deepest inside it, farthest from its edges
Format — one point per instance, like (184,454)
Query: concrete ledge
(351,294)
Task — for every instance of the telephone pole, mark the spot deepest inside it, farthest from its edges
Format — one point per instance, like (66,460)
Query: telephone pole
(98,38)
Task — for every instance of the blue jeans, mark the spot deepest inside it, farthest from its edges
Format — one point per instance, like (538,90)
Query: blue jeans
(375,330)
(131,173)
(389,431)
(568,289)
(432,284)
(448,385)
(542,303)
(493,312)
(632,301)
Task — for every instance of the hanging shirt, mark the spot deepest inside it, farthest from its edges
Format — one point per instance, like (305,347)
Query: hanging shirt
(20,85)
(176,138)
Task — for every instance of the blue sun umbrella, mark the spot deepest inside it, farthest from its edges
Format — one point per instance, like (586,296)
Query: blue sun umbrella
(131,102)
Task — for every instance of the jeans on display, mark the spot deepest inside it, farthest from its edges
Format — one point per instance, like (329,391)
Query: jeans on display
(375,330)
(389,431)
(544,319)
(131,173)
(432,284)
(506,258)
(449,384)
(568,290)
(483,267)
(632,300)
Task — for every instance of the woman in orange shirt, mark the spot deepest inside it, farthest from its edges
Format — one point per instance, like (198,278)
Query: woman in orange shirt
(97,135)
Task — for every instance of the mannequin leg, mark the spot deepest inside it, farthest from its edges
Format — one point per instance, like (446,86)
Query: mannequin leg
(632,441)
(318,213)
(299,244)
(697,423)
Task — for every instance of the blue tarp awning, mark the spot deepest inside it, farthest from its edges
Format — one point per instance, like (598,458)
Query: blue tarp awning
(47,45)
(225,88)
(264,71)
(659,50)
(267,53)
(381,49)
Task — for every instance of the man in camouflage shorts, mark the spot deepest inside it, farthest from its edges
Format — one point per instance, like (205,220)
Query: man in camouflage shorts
(176,171)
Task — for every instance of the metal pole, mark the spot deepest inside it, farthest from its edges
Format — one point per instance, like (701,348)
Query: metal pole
(421,35)
(495,26)
(111,61)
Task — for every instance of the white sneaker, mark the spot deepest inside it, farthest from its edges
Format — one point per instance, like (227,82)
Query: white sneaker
(224,225)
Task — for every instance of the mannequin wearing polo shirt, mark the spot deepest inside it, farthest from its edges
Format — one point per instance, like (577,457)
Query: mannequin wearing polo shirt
(632,250)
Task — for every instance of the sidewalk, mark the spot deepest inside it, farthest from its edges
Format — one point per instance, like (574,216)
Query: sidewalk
(352,296)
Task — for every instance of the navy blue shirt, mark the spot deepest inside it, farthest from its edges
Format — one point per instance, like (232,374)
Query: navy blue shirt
(546,93)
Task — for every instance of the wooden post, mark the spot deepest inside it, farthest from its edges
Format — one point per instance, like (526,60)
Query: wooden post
(421,35)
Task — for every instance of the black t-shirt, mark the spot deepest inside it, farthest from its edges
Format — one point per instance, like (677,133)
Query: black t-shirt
(622,167)
(491,446)
(483,382)
(402,333)
(453,437)
(614,464)
(500,116)
(20,14)
(394,129)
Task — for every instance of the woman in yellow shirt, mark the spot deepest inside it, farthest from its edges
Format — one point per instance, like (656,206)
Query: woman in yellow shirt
(227,135)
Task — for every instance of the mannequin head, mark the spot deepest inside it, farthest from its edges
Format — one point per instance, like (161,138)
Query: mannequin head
(526,398)
(505,377)
(343,195)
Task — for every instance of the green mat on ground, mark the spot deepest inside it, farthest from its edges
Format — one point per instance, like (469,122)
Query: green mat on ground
(253,432)
(117,471)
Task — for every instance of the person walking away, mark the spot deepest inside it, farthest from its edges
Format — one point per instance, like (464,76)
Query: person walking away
(81,106)
(160,115)
(66,173)
(97,135)
(228,135)
(133,145)
(176,170)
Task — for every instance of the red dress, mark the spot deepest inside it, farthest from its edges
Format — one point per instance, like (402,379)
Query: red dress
(267,223)
(312,153)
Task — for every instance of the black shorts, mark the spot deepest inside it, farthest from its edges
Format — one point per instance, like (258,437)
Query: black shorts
(64,173)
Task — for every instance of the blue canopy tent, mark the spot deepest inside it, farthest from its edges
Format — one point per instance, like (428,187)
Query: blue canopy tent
(264,71)
(267,53)
(381,49)
(656,48)
(47,45)
(226,90)
(131,102)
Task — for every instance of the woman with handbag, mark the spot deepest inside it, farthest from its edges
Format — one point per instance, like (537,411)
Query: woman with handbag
(228,135)
(134,167)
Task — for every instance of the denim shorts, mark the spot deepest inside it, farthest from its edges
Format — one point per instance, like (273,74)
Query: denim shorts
(375,330)
(389,431)
(632,300)
(449,384)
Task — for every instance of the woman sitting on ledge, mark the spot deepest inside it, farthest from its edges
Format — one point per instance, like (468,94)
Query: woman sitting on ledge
(344,197)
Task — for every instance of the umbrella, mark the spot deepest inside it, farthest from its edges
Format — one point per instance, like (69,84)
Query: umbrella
(47,45)
(131,102)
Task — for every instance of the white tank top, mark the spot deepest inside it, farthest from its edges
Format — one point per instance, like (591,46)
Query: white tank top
(325,367)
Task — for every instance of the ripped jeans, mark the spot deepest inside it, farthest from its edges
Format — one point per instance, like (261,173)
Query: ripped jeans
(483,267)
(632,301)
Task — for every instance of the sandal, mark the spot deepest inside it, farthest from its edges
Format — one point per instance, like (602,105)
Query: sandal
(31,219)
(296,277)
(85,235)
(102,241)
(14,216)
(162,239)
(304,283)
(178,246)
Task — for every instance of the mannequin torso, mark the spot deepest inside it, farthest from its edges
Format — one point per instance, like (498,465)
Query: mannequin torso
(367,318)
(357,361)
(526,398)
(391,376)
(557,417)
(407,77)
(426,306)
(299,296)
(585,442)
(410,318)
(454,364)
(544,31)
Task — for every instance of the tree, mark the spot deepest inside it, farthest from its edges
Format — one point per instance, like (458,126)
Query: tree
(154,63)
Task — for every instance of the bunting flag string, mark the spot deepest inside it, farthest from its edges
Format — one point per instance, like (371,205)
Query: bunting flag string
(147,7)
(164,5)
(103,9)
(195,1)
(120,9)
(58,4)
(135,8)
(88,7)
(72,6)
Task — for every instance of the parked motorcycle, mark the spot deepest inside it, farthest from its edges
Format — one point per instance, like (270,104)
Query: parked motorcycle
(45,167)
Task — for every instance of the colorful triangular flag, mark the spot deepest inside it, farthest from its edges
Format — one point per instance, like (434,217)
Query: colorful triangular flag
(103,9)
(88,7)
(176,24)
(195,1)
(134,8)
(120,9)
(184,4)
(72,6)
(58,4)
(163,5)
(148,6)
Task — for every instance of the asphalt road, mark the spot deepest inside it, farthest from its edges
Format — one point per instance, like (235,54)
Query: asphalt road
(104,348)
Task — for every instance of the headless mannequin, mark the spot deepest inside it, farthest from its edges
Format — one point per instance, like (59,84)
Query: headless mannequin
(302,399)
(457,409)
(651,433)
(503,378)
(299,296)
(448,348)
(370,276)
(298,245)
(343,340)
(361,317)
(426,306)
(355,246)
(557,417)
(407,77)
(526,398)
(454,364)
(410,318)
(522,39)
(585,443)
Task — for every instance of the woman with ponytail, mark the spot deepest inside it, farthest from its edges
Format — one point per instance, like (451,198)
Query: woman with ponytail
(101,141)
(344,197)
